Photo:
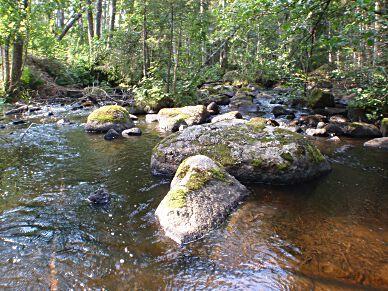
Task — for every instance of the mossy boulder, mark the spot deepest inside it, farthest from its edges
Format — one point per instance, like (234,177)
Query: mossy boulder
(109,117)
(170,119)
(250,151)
(201,196)
(318,98)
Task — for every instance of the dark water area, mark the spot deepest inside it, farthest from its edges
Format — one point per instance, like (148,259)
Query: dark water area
(324,235)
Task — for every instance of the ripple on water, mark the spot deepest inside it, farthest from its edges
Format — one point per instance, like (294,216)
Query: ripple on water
(328,234)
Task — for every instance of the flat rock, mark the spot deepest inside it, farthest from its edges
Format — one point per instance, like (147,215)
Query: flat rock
(250,151)
(378,143)
(353,129)
(201,196)
(171,118)
(227,116)
(135,131)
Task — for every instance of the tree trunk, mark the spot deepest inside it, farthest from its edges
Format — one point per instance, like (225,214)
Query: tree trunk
(6,66)
(90,21)
(177,55)
(376,40)
(224,50)
(145,36)
(60,18)
(69,25)
(169,64)
(98,18)
(17,58)
(17,63)
(112,19)
(203,42)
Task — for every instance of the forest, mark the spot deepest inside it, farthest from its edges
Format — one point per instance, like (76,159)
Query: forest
(193,145)
(158,49)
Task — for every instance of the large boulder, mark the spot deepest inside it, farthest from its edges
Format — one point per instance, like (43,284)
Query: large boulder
(250,151)
(319,98)
(109,117)
(170,119)
(378,143)
(202,194)
(353,129)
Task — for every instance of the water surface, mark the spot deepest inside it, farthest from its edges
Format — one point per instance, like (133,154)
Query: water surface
(327,234)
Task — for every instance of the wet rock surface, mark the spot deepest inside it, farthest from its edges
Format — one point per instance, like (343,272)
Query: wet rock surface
(250,151)
(378,143)
(201,196)
(109,117)
(171,118)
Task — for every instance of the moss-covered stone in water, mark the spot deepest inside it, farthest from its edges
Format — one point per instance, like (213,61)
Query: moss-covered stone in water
(196,181)
(257,163)
(220,153)
(177,197)
(282,166)
(314,154)
(287,156)
(110,113)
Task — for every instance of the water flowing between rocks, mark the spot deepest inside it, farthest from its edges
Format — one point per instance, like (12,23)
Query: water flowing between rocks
(330,233)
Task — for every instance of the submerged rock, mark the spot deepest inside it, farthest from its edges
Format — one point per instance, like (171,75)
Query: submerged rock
(135,131)
(111,134)
(202,194)
(100,196)
(378,143)
(171,118)
(109,117)
(249,151)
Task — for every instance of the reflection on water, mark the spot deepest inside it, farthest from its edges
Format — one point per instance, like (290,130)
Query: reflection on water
(328,234)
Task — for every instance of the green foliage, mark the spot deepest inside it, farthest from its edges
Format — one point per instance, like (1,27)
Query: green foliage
(150,92)
(30,79)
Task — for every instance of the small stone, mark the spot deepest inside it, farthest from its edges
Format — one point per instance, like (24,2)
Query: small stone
(182,127)
(213,108)
(34,109)
(133,117)
(135,131)
(18,122)
(63,121)
(151,118)
(334,139)
(100,196)
(316,132)
(321,125)
(111,135)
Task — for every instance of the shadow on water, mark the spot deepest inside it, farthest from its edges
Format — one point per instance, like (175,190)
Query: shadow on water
(328,234)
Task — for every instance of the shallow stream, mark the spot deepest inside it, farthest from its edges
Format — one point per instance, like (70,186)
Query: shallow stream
(328,234)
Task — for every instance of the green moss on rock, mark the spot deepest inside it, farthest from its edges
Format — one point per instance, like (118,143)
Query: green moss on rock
(257,163)
(314,154)
(110,113)
(287,156)
(177,197)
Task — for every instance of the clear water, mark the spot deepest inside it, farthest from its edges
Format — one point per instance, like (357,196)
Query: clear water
(328,234)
